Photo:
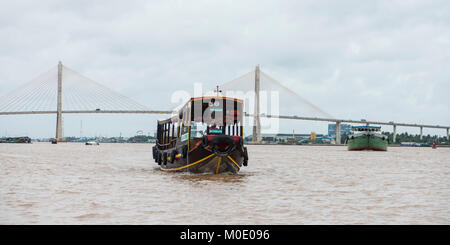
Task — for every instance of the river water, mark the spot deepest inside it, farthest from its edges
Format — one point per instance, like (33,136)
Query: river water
(71,183)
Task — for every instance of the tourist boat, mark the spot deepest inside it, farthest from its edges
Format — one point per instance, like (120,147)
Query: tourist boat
(367,138)
(204,136)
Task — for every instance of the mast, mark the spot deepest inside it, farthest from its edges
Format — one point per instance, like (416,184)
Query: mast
(218,91)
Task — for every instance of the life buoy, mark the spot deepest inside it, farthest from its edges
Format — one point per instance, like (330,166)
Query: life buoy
(156,156)
(159,158)
(164,156)
(245,155)
(172,156)
(184,151)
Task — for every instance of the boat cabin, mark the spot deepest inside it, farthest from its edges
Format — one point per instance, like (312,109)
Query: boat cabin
(366,128)
(199,117)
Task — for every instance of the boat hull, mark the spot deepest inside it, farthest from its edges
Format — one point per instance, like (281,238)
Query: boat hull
(367,142)
(201,159)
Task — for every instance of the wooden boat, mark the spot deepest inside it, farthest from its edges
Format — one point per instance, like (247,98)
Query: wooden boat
(367,138)
(91,143)
(434,145)
(203,136)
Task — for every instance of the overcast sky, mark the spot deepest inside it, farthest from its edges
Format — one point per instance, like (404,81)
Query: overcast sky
(379,60)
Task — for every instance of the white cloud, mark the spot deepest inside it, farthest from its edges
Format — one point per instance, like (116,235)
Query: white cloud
(399,49)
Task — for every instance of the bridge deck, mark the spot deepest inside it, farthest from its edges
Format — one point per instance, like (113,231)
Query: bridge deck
(246,114)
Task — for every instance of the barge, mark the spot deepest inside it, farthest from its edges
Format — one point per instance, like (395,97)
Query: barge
(367,138)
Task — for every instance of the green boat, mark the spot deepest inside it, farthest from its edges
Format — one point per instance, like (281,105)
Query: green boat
(367,138)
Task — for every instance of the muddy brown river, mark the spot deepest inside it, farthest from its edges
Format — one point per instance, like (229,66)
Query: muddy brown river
(70,183)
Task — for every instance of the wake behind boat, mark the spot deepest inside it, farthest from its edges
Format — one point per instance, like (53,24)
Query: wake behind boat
(204,136)
(367,138)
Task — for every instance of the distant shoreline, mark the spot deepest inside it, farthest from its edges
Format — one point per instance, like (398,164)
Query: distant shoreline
(394,145)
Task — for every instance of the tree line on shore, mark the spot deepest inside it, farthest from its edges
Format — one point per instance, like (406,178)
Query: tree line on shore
(405,137)
(134,139)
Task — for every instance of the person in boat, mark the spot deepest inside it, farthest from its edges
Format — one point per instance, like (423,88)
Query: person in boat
(203,136)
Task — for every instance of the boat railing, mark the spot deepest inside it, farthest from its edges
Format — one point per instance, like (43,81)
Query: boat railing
(171,144)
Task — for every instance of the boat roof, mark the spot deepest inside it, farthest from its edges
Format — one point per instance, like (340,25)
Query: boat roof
(175,111)
(172,118)
(366,127)
(179,107)
(215,97)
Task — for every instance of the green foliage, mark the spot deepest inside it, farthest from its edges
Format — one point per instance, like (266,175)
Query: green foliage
(405,137)
(140,139)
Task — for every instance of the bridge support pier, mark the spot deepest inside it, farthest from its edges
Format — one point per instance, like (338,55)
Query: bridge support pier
(421,133)
(256,120)
(338,133)
(394,134)
(59,106)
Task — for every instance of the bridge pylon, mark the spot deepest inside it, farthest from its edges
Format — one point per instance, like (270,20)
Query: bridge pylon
(59,136)
(256,119)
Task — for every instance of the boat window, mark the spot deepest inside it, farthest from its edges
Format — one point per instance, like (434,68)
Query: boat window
(216,111)
(198,129)
(184,130)
(217,116)
(167,133)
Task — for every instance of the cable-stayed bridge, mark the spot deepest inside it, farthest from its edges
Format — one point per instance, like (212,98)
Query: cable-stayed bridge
(62,90)
(70,92)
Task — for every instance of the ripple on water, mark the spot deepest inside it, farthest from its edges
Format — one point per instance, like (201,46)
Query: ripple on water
(121,184)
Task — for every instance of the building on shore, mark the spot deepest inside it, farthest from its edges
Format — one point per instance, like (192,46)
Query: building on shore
(292,138)
(346,129)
